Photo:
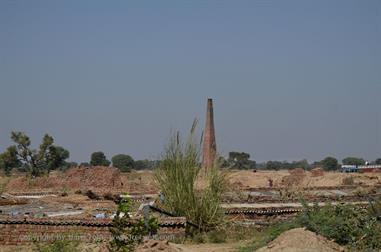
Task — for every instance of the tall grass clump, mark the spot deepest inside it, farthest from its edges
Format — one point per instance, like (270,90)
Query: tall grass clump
(188,189)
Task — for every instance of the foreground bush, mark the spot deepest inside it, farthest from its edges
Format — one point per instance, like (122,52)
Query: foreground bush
(349,225)
(177,176)
(346,224)
(127,232)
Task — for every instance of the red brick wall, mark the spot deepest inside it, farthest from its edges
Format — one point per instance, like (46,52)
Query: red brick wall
(14,234)
(24,232)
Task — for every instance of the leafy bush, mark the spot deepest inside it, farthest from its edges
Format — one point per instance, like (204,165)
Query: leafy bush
(177,176)
(347,224)
(127,232)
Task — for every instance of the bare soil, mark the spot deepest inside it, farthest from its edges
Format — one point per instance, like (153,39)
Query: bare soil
(107,179)
(301,240)
(248,179)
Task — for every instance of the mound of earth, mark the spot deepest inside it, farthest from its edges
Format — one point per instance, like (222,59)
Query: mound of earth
(317,172)
(97,178)
(93,177)
(301,240)
(155,245)
(295,178)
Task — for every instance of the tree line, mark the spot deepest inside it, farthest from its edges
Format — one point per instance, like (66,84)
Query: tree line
(49,156)
(241,160)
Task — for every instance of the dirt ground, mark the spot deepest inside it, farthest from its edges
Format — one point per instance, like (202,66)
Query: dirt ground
(249,179)
(301,240)
(98,179)
(106,179)
(150,246)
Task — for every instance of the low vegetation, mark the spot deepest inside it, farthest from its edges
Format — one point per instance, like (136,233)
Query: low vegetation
(187,189)
(35,161)
(349,225)
(98,158)
(346,224)
(263,237)
(123,162)
(127,232)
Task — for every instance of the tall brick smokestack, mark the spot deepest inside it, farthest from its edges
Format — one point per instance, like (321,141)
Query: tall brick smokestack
(209,149)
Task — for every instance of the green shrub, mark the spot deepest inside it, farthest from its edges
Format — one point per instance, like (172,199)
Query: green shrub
(127,232)
(177,176)
(346,224)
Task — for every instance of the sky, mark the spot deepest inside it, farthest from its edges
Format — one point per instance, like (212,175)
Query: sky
(289,79)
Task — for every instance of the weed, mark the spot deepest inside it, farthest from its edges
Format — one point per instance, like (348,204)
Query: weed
(178,176)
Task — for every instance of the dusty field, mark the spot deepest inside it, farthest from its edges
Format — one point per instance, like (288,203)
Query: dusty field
(98,179)
(150,246)
(249,179)
(105,179)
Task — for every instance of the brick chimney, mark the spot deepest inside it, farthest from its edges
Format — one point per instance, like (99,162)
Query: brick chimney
(209,149)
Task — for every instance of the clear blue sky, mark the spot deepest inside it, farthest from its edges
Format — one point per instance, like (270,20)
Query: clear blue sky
(289,79)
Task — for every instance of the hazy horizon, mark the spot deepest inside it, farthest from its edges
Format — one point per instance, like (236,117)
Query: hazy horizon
(289,80)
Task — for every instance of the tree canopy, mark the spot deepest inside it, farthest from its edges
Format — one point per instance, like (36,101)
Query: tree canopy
(239,160)
(37,161)
(330,164)
(123,162)
(353,161)
(99,158)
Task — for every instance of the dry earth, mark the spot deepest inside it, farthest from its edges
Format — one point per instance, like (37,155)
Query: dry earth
(301,240)
(106,179)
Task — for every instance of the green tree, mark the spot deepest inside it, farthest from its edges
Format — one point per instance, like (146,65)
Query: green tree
(9,159)
(123,162)
(330,163)
(378,161)
(353,161)
(38,161)
(99,158)
(273,165)
(240,160)
(146,164)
